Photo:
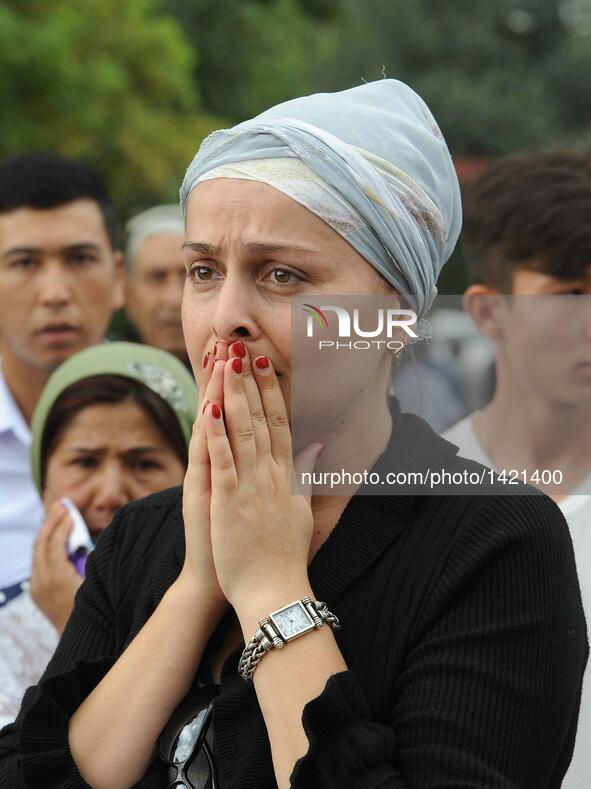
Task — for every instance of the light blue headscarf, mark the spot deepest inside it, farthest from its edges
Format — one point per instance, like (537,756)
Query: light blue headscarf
(378,147)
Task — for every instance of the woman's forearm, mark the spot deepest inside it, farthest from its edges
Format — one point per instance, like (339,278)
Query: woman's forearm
(287,679)
(113,733)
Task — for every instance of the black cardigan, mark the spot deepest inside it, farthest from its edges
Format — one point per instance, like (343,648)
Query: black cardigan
(462,630)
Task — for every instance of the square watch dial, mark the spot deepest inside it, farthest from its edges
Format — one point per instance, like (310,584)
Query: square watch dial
(292,621)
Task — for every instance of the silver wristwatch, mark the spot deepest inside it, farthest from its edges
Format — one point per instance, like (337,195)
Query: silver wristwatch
(283,625)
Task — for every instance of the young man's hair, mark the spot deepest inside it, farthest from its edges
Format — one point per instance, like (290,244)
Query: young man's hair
(530,211)
(47,180)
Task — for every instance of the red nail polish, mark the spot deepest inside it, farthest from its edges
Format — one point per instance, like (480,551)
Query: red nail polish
(205,360)
(237,365)
(239,349)
(262,362)
(216,411)
(205,404)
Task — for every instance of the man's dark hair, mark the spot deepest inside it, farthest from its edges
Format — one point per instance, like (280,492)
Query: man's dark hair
(530,211)
(47,180)
(109,390)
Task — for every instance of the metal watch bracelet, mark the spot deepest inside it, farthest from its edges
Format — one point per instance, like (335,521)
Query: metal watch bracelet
(278,628)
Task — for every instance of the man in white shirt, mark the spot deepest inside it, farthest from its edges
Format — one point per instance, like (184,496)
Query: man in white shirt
(60,280)
(527,235)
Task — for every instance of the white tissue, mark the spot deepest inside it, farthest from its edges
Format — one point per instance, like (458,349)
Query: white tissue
(79,537)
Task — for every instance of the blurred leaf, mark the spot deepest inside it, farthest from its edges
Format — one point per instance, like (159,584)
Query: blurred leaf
(254,54)
(492,89)
(109,82)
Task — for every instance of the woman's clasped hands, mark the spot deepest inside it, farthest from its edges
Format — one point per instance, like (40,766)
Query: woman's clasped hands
(247,535)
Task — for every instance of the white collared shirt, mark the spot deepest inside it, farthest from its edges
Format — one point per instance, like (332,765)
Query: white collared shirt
(21,511)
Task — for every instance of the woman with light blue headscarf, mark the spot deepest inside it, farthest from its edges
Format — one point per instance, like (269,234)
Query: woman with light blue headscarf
(278,622)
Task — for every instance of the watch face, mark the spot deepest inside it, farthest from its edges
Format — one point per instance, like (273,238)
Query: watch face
(292,621)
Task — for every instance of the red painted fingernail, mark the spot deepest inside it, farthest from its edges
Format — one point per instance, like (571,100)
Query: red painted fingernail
(239,349)
(237,365)
(262,362)
(205,360)
(216,411)
(204,406)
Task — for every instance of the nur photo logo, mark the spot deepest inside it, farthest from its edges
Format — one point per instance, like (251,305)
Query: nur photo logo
(386,323)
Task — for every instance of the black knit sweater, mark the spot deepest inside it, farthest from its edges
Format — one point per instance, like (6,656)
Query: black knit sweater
(462,630)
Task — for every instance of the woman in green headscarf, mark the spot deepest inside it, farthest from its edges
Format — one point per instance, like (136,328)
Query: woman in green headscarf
(112,425)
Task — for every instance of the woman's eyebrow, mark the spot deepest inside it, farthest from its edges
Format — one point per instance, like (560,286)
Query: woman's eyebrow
(265,248)
(250,247)
(144,450)
(129,454)
(82,448)
(200,246)
(141,448)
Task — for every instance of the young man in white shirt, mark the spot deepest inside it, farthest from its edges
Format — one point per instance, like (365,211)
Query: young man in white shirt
(527,238)
(60,280)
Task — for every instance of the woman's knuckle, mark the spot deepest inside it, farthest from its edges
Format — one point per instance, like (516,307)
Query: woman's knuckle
(227,464)
(245,435)
(278,420)
(258,417)
(267,383)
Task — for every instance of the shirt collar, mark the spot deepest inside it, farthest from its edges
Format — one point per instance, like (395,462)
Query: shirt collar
(11,418)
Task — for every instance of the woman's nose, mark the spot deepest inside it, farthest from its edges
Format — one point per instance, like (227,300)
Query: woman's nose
(235,311)
(111,490)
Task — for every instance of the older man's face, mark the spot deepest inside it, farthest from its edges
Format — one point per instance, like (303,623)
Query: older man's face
(155,292)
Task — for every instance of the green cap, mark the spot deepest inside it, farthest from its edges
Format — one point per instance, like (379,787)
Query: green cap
(158,370)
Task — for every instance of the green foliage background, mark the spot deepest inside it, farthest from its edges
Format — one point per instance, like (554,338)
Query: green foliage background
(106,81)
(134,86)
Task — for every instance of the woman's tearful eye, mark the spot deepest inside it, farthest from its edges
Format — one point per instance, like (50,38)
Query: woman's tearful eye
(144,465)
(201,274)
(281,276)
(85,461)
